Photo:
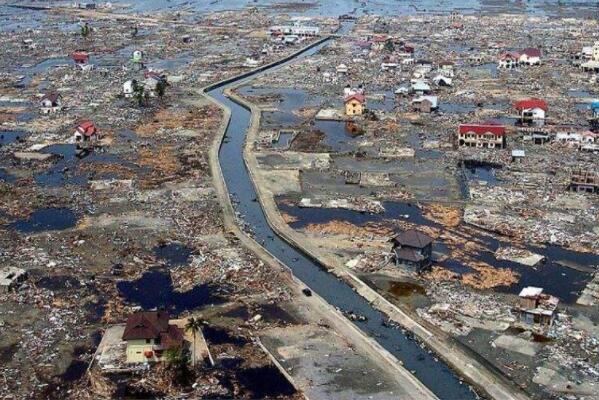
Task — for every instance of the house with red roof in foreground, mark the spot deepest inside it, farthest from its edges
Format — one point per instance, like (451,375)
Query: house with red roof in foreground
(86,131)
(484,135)
(355,104)
(148,335)
(532,111)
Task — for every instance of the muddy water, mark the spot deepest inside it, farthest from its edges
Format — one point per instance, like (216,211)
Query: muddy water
(434,374)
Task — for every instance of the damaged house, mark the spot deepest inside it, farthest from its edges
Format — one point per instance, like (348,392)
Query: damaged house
(86,131)
(51,103)
(586,181)
(413,250)
(11,278)
(355,104)
(535,308)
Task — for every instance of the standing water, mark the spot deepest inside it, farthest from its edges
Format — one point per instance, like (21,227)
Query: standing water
(436,375)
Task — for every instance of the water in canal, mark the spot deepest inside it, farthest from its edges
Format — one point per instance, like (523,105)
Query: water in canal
(436,375)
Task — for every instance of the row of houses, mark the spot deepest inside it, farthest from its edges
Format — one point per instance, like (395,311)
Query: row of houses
(514,59)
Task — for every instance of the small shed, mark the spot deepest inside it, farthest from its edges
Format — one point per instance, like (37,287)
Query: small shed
(138,56)
(518,155)
(129,88)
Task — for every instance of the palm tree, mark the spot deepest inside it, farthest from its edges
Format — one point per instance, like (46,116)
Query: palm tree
(85,30)
(193,325)
(177,361)
(139,93)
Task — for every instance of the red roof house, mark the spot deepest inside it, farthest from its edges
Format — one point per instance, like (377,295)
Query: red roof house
(531,52)
(87,128)
(481,129)
(530,104)
(149,333)
(80,57)
(356,96)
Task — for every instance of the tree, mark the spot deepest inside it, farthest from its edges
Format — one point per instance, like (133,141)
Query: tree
(389,46)
(194,325)
(161,89)
(177,360)
(140,94)
(85,30)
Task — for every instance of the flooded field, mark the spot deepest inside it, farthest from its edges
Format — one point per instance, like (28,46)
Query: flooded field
(48,219)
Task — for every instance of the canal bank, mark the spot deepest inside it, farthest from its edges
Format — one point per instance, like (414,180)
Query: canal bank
(475,371)
(321,310)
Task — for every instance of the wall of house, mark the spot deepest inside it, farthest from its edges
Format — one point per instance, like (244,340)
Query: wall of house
(136,349)
(472,139)
(354,107)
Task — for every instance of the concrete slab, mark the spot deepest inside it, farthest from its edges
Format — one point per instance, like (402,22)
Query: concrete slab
(324,366)
(281,181)
(516,344)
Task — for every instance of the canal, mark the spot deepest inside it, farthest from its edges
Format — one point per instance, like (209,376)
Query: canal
(433,373)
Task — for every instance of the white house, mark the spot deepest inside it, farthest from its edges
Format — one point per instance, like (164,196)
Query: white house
(530,56)
(420,87)
(441,80)
(532,111)
(129,87)
(51,103)
(295,29)
(342,69)
(509,60)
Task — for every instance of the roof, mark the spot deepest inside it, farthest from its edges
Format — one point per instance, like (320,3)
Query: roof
(413,238)
(52,97)
(420,86)
(154,75)
(518,153)
(433,100)
(356,96)
(531,52)
(9,274)
(530,104)
(595,105)
(146,325)
(80,56)
(408,254)
(530,291)
(86,128)
(173,336)
(514,55)
(481,129)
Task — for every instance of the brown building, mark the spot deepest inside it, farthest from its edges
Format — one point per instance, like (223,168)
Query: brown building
(584,181)
(413,250)
(536,308)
